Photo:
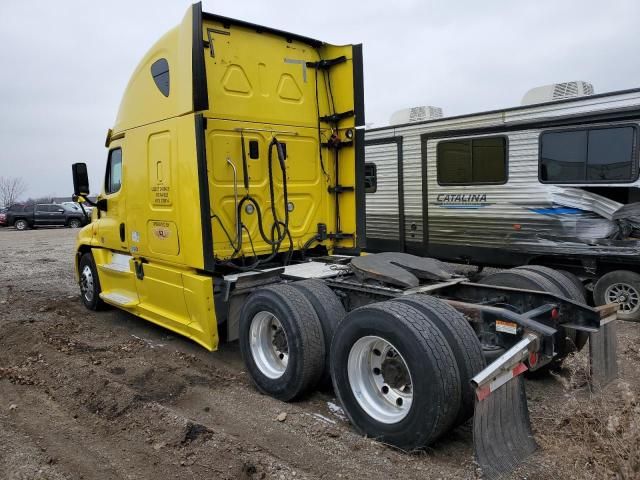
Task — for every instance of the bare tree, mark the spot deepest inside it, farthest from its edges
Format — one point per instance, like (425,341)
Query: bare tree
(11,188)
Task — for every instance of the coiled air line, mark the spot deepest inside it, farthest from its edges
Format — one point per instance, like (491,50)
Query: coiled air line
(279,227)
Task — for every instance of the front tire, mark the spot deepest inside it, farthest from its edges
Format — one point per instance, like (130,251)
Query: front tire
(90,283)
(395,375)
(281,342)
(623,287)
(21,224)
(75,223)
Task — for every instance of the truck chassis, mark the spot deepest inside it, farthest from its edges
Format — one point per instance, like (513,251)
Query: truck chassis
(391,297)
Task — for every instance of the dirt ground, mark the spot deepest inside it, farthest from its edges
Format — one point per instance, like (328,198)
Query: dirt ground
(109,396)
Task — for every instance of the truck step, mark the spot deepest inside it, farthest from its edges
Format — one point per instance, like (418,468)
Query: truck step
(120,299)
(116,267)
(119,263)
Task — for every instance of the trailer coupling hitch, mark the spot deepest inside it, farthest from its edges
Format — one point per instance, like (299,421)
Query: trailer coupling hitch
(502,435)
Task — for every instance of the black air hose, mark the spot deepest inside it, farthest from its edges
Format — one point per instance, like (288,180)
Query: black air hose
(278,226)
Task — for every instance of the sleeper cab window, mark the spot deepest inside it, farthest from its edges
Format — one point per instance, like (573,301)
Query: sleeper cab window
(160,74)
(472,161)
(589,155)
(370,178)
(113,179)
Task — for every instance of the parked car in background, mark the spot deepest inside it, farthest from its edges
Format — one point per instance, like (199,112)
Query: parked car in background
(76,206)
(23,217)
(3,217)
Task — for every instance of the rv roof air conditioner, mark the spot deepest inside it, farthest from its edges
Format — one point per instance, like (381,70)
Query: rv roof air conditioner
(557,91)
(415,114)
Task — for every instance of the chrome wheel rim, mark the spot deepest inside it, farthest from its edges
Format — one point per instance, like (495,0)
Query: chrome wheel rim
(268,344)
(20,225)
(86,283)
(624,294)
(75,224)
(380,379)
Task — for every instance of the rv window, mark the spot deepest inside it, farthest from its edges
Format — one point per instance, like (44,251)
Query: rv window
(370,178)
(588,155)
(113,178)
(472,161)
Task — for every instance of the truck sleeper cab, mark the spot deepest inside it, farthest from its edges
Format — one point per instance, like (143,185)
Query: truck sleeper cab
(233,208)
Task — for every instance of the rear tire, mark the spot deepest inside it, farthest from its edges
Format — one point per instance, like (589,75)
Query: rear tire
(567,339)
(330,312)
(463,341)
(573,278)
(21,224)
(395,375)
(569,289)
(621,286)
(523,279)
(281,342)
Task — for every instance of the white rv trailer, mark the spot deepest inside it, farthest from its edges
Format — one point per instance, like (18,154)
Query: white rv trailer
(554,183)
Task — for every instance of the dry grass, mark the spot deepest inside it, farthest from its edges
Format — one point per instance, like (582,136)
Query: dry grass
(605,425)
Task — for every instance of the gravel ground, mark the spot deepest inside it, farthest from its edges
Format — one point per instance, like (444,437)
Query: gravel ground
(109,396)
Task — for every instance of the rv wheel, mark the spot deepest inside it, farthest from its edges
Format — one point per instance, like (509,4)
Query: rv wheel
(395,375)
(281,342)
(623,287)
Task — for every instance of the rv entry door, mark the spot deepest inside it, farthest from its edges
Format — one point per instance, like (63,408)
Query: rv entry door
(384,195)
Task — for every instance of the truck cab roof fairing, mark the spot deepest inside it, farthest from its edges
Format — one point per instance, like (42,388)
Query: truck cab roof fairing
(142,102)
(183,48)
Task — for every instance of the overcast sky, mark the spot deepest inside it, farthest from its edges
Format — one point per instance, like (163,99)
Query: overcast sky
(64,64)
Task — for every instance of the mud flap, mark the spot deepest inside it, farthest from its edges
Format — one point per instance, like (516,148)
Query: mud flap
(502,436)
(603,346)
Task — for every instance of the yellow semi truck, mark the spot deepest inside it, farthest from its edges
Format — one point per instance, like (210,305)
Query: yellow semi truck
(233,209)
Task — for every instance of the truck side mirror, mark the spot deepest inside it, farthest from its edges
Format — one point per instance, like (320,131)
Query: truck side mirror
(80,179)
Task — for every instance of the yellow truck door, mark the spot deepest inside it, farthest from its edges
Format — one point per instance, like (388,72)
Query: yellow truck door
(111,225)
(115,266)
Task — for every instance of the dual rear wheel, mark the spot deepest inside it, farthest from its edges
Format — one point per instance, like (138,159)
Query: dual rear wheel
(401,376)
(545,279)
(400,368)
